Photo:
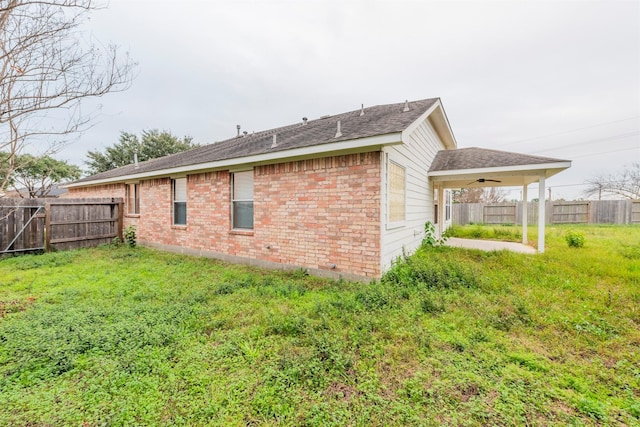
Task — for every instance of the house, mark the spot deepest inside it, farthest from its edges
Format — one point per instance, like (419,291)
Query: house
(54,192)
(343,195)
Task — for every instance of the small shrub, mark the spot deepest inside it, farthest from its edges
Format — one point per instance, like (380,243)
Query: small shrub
(430,238)
(130,236)
(574,239)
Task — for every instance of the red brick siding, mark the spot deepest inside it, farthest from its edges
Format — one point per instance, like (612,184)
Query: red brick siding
(108,190)
(312,213)
(321,212)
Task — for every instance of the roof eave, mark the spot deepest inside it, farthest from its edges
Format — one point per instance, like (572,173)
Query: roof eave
(534,171)
(440,123)
(541,166)
(340,147)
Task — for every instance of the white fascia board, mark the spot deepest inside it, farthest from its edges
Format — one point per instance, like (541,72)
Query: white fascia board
(442,122)
(279,156)
(417,122)
(500,170)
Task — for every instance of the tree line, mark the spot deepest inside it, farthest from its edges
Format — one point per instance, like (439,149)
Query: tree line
(35,176)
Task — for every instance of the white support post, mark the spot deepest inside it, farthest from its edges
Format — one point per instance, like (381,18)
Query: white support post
(525,213)
(441,211)
(541,214)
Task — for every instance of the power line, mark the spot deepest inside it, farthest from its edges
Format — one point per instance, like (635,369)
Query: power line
(606,152)
(567,131)
(593,141)
(535,184)
(570,185)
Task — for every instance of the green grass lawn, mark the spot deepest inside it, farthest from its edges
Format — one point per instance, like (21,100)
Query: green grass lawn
(119,336)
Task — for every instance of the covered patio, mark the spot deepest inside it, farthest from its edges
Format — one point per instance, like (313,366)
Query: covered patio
(480,167)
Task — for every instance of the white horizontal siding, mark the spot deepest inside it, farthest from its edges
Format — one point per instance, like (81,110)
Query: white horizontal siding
(415,155)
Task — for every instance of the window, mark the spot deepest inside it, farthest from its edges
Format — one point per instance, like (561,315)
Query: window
(396,184)
(447,207)
(242,200)
(133,199)
(180,201)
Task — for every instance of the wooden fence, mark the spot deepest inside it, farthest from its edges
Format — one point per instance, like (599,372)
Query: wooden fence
(28,225)
(556,212)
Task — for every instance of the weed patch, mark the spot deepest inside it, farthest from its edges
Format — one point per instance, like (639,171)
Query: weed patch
(423,271)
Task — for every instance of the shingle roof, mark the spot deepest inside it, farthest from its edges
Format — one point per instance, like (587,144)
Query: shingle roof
(377,120)
(481,158)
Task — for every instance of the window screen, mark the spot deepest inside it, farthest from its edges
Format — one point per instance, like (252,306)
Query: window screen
(180,201)
(396,192)
(242,200)
(133,199)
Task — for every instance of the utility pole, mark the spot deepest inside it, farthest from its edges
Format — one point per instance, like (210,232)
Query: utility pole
(549,193)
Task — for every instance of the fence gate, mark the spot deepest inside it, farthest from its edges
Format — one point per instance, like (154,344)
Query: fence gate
(28,225)
(22,225)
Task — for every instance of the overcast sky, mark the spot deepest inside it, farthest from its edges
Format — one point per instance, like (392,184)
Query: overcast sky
(555,78)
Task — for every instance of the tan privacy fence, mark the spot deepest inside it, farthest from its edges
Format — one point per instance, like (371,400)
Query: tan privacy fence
(28,225)
(580,212)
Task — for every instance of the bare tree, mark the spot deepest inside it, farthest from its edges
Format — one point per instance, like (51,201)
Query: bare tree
(625,183)
(478,195)
(47,68)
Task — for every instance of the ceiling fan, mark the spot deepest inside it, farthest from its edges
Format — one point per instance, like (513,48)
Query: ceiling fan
(483,180)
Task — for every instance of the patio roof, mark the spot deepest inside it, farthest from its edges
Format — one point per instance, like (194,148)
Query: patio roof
(481,167)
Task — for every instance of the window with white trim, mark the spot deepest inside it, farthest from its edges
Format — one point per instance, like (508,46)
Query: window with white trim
(179,201)
(242,200)
(396,182)
(133,199)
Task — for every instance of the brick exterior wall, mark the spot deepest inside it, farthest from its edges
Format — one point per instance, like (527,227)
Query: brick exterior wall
(109,190)
(315,214)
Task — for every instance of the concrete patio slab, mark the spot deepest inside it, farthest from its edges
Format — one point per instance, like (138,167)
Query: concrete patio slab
(489,245)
